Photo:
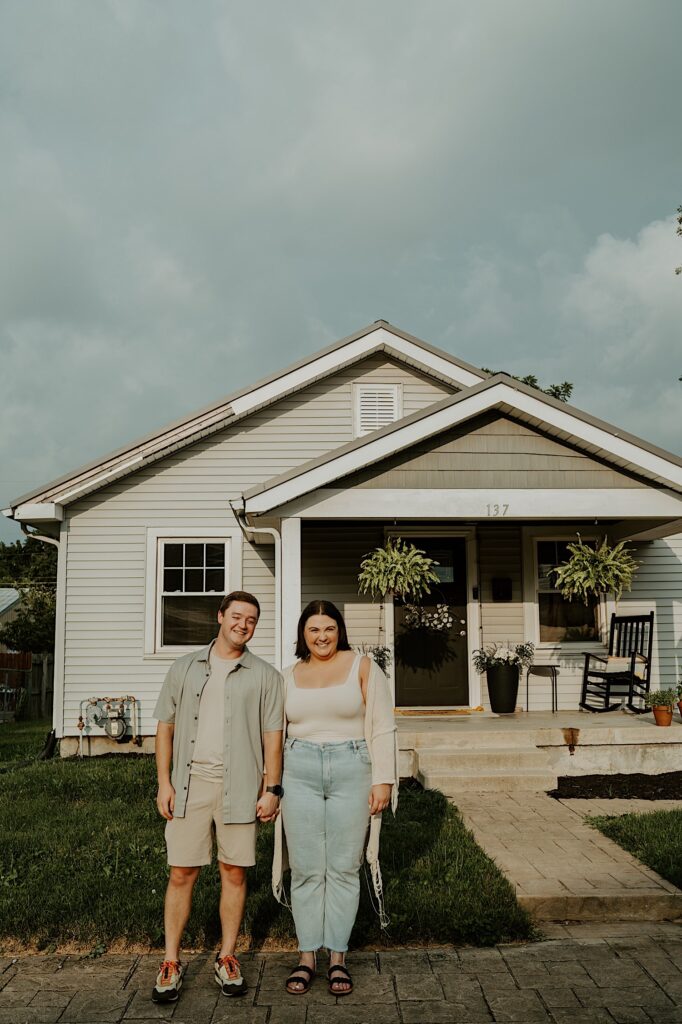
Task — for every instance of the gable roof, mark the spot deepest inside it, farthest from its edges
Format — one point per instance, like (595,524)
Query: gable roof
(377,337)
(500,392)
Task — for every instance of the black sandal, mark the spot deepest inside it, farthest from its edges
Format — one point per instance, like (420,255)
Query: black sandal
(295,978)
(336,981)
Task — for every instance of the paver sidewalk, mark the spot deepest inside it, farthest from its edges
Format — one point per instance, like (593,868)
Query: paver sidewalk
(561,868)
(622,974)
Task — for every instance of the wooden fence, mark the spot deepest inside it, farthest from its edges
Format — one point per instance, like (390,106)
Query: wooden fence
(32,673)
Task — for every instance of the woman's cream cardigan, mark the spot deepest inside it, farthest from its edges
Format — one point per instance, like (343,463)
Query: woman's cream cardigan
(382,743)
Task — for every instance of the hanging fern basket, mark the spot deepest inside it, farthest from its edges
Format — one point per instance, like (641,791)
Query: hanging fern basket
(593,571)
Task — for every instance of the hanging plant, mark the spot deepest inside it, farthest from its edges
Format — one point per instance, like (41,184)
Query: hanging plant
(593,571)
(436,620)
(397,568)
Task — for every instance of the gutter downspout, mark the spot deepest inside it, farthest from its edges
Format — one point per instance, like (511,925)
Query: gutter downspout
(270,531)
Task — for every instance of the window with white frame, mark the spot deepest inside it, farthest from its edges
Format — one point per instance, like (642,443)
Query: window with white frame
(560,620)
(193,578)
(375,406)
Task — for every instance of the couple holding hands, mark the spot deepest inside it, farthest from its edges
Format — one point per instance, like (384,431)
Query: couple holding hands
(313,750)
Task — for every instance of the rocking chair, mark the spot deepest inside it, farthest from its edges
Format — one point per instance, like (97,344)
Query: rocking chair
(625,672)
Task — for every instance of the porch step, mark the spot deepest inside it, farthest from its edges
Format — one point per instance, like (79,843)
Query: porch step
(468,781)
(495,759)
(493,739)
(498,768)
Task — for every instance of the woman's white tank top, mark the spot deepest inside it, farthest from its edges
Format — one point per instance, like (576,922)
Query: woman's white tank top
(326,714)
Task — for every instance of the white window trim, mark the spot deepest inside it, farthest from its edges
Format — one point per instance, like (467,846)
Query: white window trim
(232,537)
(531,609)
(360,387)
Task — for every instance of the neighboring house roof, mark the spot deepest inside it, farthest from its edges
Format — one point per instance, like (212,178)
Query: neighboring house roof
(377,337)
(8,598)
(501,392)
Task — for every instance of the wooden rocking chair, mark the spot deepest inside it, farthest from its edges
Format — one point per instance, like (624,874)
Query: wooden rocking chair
(625,672)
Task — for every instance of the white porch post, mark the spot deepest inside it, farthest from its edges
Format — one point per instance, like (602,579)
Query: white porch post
(291,585)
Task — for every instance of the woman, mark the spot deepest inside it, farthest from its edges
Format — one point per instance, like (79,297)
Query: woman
(340,768)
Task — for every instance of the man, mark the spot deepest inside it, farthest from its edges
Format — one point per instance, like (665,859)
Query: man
(220,718)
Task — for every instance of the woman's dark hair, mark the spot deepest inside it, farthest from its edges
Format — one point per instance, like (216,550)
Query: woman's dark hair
(320,608)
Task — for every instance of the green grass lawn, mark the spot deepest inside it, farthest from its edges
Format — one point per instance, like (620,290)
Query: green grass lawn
(22,741)
(655,839)
(82,859)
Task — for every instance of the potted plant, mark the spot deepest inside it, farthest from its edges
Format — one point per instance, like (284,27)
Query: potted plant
(595,570)
(661,703)
(502,666)
(679,697)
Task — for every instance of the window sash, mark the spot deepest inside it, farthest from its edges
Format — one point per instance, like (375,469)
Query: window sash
(204,568)
(168,634)
(548,600)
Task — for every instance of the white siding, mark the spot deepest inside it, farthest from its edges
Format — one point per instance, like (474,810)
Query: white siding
(331,556)
(499,554)
(658,588)
(105,590)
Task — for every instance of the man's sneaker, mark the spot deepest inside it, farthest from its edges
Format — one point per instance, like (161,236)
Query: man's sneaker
(168,982)
(228,974)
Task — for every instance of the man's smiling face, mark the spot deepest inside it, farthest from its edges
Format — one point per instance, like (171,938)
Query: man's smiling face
(237,624)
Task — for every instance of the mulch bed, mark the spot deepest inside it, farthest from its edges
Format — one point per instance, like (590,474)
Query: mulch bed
(666,786)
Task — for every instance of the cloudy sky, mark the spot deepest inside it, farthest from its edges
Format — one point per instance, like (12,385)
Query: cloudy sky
(195,194)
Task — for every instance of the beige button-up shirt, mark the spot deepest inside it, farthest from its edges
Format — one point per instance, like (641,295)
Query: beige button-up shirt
(253,705)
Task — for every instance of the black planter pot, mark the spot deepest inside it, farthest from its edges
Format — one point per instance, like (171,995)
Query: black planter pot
(503,688)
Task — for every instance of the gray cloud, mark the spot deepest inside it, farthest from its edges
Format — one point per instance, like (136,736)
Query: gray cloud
(192,193)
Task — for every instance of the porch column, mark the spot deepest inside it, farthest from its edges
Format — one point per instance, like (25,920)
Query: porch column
(291,585)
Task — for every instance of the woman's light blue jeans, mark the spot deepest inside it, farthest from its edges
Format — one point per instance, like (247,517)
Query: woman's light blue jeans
(325,813)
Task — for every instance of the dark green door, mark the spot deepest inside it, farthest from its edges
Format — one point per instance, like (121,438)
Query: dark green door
(431,668)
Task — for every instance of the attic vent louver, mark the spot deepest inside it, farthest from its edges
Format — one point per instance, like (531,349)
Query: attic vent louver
(376,405)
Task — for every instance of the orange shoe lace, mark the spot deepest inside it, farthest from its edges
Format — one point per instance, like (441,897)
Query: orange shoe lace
(168,968)
(231,965)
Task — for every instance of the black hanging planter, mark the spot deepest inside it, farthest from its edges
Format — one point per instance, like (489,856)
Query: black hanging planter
(503,688)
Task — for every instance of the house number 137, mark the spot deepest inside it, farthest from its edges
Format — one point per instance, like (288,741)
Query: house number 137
(497,510)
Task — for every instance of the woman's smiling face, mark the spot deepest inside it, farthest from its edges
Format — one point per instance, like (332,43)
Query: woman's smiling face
(321,636)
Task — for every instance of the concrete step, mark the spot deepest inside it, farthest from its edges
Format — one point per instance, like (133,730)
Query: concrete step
(498,759)
(471,781)
(635,905)
(454,740)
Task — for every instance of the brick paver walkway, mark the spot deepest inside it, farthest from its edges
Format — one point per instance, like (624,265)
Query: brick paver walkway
(625,974)
(561,867)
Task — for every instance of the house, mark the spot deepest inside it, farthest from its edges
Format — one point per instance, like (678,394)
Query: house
(10,599)
(284,486)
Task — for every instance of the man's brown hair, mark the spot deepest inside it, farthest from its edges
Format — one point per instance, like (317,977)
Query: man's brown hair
(239,595)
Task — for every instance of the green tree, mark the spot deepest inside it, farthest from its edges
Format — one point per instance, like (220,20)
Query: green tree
(31,568)
(562,391)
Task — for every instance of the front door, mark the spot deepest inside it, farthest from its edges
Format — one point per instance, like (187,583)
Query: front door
(431,667)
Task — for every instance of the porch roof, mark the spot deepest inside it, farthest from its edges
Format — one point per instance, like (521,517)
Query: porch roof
(662,469)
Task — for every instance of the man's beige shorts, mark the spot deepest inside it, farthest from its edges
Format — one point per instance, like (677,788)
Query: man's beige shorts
(189,840)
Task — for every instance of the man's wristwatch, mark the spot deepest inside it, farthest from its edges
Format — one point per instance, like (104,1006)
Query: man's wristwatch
(275,790)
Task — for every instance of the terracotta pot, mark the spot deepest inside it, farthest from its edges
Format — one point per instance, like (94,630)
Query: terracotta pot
(663,714)
(503,688)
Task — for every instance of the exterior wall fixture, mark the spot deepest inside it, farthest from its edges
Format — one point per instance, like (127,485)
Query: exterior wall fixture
(112,714)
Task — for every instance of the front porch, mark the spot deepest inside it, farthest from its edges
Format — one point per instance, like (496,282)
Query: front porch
(460,754)
(494,582)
